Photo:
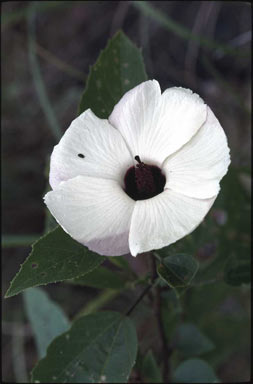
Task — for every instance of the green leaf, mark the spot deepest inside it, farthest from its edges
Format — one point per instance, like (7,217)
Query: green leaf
(118,69)
(54,257)
(102,278)
(150,370)
(101,347)
(233,232)
(188,339)
(223,238)
(194,371)
(178,270)
(46,317)
(238,269)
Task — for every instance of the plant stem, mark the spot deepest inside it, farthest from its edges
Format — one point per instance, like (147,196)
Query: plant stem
(110,294)
(154,281)
(58,63)
(224,84)
(97,303)
(12,241)
(166,351)
(165,348)
(11,17)
(146,290)
(37,76)
(180,30)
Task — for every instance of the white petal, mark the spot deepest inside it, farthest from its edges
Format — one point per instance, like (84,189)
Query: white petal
(196,169)
(95,212)
(182,114)
(164,219)
(135,116)
(154,125)
(106,154)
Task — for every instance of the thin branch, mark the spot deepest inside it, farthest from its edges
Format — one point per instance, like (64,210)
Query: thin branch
(224,84)
(154,281)
(109,294)
(9,18)
(13,241)
(180,30)
(201,21)
(119,16)
(99,302)
(58,63)
(37,77)
(146,290)
(166,351)
(165,348)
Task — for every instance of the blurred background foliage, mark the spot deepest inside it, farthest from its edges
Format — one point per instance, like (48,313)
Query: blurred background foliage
(202,45)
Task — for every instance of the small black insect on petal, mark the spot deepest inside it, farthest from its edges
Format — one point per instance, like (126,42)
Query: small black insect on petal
(81,155)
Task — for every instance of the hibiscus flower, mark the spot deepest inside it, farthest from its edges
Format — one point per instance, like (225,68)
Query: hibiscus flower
(142,179)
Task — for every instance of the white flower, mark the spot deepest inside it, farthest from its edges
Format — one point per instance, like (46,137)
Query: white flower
(142,179)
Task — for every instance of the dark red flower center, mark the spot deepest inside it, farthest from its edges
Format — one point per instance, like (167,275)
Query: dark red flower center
(144,181)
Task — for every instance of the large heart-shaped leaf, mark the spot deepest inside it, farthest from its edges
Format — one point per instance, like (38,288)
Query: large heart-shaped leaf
(54,257)
(101,347)
(119,68)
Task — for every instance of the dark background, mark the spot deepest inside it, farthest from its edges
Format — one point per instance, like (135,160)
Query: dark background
(68,38)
